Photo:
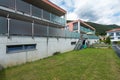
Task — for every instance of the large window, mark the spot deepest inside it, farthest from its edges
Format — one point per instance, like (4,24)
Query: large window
(111,34)
(20,48)
(117,33)
(75,26)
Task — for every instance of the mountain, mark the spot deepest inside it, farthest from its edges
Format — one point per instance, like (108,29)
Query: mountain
(101,28)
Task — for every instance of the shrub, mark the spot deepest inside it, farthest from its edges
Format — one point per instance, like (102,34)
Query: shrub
(107,41)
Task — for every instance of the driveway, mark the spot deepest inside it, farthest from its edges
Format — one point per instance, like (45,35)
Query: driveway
(116,49)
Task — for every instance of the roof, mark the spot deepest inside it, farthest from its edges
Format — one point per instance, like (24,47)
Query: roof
(82,22)
(113,30)
(48,6)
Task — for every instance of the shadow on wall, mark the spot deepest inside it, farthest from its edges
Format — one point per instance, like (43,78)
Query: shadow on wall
(2,73)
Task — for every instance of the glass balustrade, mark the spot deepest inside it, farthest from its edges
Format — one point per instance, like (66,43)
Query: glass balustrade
(86,30)
(22,28)
(37,12)
(8,3)
(3,25)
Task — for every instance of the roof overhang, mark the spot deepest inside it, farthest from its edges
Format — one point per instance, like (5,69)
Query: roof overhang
(48,6)
(114,30)
(82,22)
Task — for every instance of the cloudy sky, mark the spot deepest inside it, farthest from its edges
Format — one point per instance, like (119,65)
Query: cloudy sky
(99,11)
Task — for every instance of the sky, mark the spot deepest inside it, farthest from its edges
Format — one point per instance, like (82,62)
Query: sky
(98,11)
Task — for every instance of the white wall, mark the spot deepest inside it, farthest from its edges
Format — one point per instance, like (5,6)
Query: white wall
(43,49)
(92,41)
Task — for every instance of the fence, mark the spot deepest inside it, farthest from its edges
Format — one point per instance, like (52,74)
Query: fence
(17,27)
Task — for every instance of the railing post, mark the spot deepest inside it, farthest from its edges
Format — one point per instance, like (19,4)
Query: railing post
(8,26)
(50,17)
(33,29)
(30,10)
(42,13)
(15,6)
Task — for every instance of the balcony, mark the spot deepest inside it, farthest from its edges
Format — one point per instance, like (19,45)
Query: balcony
(23,28)
(19,6)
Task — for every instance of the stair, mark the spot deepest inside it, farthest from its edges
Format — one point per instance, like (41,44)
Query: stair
(78,45)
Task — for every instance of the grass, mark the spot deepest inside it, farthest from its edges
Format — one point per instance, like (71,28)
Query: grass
(87,64)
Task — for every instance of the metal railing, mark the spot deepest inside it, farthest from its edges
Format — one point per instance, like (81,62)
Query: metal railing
(22,28)
(26,8)
(85,29)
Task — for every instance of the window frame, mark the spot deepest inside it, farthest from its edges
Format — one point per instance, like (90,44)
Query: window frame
(16,49)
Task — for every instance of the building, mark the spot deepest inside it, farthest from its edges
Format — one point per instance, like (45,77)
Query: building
(31,30)
(86,31)
(114,34)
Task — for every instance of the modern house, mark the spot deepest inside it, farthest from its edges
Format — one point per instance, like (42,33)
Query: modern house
(31,30)
(114,34)
(86,31)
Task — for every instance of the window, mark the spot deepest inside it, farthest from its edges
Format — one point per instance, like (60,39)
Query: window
(19,48)
(117,33)
(75,26)
(118,37)
(111,34)
(112,38)
(30,46)
(73,43)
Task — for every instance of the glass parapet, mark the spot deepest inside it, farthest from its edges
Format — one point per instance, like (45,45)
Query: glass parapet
(70,34)
(24,7)
(40,30)
(36,12)
(18,27)
(86,30)
(57,19)
(8,3)
(23,28)
(46,15)
(3,25)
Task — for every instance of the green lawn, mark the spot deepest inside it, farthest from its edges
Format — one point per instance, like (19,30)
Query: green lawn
(87,64)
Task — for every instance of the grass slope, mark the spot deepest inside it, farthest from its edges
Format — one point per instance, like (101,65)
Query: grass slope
(87,64)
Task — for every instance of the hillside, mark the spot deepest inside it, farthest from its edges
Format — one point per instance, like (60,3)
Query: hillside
(100,28)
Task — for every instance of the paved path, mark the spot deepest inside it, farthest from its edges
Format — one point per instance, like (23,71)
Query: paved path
(117,49)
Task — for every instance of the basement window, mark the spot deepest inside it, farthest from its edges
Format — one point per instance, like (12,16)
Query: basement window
(20,48)
(73,43)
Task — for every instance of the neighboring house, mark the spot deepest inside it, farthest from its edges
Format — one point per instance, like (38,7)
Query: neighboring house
(114,34)
(86,31)
(32,30)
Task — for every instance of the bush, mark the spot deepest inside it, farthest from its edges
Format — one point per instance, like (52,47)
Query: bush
(107,41)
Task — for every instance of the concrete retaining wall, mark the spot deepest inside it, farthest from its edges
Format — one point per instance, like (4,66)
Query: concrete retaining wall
(44,47)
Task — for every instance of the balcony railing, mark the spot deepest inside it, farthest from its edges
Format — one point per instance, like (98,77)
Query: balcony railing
(26,8)
(21,28)
(86,30)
